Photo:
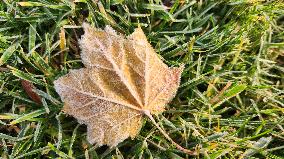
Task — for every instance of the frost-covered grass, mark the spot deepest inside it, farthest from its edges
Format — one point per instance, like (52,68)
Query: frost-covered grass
(230,103)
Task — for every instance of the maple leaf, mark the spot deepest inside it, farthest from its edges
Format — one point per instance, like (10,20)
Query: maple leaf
(124,79)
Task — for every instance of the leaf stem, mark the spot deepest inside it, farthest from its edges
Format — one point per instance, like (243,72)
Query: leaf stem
(190,152)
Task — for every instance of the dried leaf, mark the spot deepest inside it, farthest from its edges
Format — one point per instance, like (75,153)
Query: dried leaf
(29,89)
(124,79)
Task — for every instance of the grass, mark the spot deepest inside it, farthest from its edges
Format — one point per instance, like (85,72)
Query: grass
(230,102)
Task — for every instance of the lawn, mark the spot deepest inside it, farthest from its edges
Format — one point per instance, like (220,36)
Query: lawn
(230,103)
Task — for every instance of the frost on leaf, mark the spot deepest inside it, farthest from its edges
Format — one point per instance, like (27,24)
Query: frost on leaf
(123,78)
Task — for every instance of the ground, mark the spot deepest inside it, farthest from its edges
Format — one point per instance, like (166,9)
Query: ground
(230,102)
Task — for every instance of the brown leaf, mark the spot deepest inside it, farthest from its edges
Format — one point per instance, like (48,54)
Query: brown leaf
(29,89)
(124,79)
